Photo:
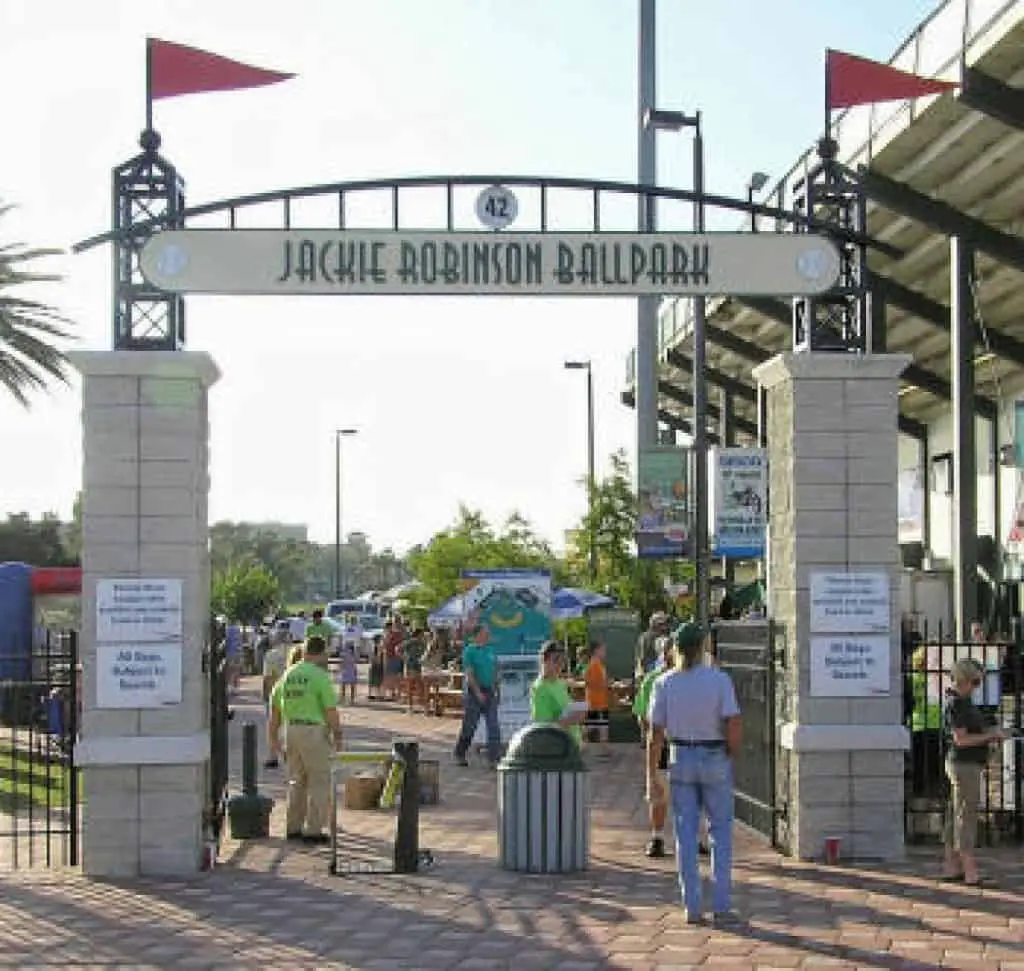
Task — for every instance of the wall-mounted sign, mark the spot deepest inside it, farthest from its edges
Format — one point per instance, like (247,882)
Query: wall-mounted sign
(417,263)
(497,207)
(741,502)
(138,675)
(850,666)
(665,514)
(138,610)
(850,603)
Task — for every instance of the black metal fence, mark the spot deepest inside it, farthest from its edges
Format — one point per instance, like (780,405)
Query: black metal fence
(746,653)
(927,659)
(39,780)
(217,674)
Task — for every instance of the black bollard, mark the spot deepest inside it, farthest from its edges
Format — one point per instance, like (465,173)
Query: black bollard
(249,813)
(407,830)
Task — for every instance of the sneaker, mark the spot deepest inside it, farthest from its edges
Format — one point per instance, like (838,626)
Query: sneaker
(461,760)
(692,918)
(294,837)
(704,849)
(271,764)
(316,839)
(655,848)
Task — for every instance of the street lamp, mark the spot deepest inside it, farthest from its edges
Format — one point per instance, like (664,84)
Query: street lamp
(591,482)
(758,180)
(676,121)
(339,433)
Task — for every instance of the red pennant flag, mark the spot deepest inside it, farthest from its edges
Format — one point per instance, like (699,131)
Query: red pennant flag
(852,80)
(174,69)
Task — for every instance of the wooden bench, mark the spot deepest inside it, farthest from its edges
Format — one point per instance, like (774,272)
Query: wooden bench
(449,701)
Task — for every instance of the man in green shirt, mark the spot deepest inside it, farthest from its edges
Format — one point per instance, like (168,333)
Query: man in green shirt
(319,629)
(480,696)
(305,701)
(550,700)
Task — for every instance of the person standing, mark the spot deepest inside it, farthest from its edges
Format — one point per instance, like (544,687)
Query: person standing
(657,796)
(479,699)
(595,680)
(348,676)
(275,662)
(233,653)
(550,701)
(320,629)
(305,701)
(646,654)
(694,709)
(967,740)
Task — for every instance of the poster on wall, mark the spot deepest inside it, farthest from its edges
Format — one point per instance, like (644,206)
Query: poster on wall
(741,502)
(910,505)
(665,514)
(513,604)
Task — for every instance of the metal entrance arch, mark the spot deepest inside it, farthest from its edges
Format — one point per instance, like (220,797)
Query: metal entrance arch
(149,196)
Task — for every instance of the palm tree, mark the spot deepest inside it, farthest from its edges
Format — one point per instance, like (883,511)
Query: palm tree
(28,358)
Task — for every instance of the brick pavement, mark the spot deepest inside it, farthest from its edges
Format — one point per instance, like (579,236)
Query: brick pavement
(269,905)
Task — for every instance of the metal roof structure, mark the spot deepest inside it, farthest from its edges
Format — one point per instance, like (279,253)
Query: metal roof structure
(932,168)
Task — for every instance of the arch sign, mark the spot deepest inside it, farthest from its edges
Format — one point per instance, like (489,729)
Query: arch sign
(447,263)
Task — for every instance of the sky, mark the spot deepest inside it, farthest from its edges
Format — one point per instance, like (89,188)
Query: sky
(456,400)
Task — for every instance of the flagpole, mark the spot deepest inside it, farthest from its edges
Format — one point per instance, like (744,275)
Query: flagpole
(828,97)
(149,84)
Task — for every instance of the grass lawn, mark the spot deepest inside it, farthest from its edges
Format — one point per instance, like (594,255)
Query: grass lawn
(29,781)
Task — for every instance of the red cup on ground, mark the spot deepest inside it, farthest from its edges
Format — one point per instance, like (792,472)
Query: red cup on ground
(833,845)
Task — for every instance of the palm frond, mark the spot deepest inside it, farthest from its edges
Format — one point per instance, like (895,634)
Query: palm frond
(29,359)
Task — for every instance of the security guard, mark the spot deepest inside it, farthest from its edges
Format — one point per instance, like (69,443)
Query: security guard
(694,708)
(306,701)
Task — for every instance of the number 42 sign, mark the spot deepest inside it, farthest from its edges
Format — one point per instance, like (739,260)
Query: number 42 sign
(497,207)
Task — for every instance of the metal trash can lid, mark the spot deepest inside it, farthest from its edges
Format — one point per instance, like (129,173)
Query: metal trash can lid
(542,747)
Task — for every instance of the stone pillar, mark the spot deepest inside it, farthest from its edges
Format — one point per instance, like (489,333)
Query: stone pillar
(144,744)
(832,453)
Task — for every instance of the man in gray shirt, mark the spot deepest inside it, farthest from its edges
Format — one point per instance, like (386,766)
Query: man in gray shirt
(694,708)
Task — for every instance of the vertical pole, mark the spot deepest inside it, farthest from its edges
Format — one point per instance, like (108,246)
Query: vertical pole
(591,476)
(74,816)
(149,84)
(965,508)
(997,498)
(337,514)
(926,494)
(727,436)
(700,399)
(407,829)
(647,174)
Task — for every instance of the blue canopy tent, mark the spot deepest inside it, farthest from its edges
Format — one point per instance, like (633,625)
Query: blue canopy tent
(449,614)
(569,603)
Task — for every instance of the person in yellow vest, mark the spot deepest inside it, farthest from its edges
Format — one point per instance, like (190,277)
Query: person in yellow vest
(305,701)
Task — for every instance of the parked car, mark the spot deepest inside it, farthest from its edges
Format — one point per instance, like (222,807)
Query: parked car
(338,609)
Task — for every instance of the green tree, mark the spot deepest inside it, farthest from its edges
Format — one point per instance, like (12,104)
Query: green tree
(36,542)
(28,357)
(245,591)
(471,543)
(612,517)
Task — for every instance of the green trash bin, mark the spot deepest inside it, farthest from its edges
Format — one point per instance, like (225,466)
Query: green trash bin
(543,803)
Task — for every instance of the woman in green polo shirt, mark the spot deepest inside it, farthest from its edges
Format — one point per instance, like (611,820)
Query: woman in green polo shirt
(550,700)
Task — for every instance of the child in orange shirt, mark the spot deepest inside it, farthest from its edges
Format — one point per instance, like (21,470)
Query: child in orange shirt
(595,680)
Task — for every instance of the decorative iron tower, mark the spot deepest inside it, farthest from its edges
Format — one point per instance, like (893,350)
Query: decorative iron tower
(149,195)
(838,320)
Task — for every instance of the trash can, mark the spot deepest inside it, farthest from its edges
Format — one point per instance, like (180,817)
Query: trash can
(543,803)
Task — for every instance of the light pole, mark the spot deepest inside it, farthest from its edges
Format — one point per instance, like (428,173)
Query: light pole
(339,433)
(758,180)
(591,480)
(676,121)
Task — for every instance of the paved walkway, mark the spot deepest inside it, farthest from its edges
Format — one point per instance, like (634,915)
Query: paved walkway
(270,905)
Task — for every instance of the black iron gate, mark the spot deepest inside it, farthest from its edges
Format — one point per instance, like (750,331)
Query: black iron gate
(746,652)
(216,669)
(39,781)
(927,659)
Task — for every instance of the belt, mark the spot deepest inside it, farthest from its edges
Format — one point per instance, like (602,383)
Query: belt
(698,742)
(297,721)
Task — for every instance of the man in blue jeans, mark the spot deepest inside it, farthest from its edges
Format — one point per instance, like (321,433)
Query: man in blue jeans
(479,672)
(694,709)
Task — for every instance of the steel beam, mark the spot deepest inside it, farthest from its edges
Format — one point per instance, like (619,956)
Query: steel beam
(965,454)
(676,422)
(686,398)
(942,217)
(732,385)
(729,420)
(914,374)
(992,97)
(938,314)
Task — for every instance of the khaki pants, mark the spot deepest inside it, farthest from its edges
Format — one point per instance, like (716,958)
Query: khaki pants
(960,831)
(309,778)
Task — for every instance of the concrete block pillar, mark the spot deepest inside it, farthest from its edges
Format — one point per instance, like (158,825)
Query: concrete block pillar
(832,452)
(144,744)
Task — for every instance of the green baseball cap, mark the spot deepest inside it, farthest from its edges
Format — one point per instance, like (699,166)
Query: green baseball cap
(691,634)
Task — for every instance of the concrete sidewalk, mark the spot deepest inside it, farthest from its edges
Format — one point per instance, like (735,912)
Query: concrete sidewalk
(271,905)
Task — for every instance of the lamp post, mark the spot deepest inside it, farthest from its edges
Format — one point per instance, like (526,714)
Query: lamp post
(591,481)
(339,433)
(758,180)
(676,121)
